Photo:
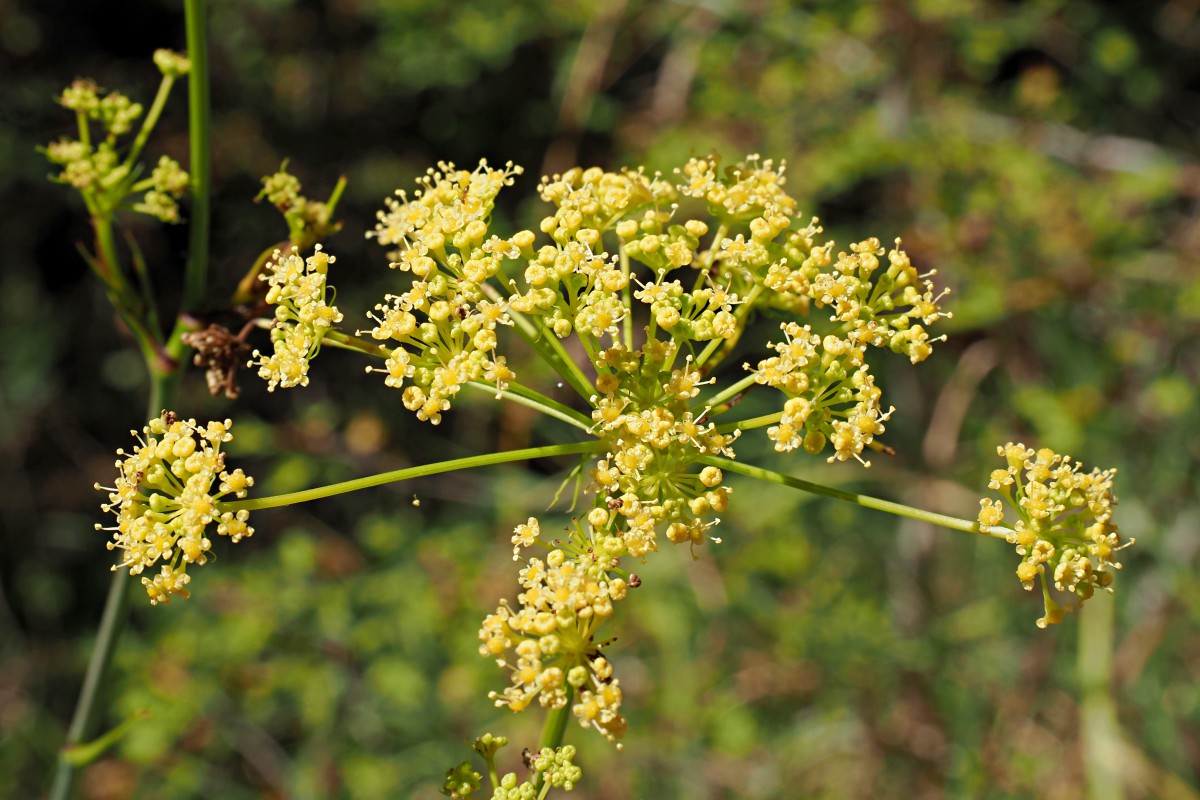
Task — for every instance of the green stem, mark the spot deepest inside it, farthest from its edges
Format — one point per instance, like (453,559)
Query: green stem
(408,473)
(107,267)
(531,399)
(753,422)
(85,131)
(739,314)
(145,286)
(706,261)
(336,195)
(112,620)
(553,731)
(627,295)
(1101,730)
(156,108)
(545,340)
(345,341)
(547,346)
(200,172)
(556,723)
(163,377)
(515,391)
(246,286)
(728,393)
(866,501)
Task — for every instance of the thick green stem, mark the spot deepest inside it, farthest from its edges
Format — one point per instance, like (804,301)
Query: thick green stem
(627,296)
(408,473)
(163,372)
(866,501)
(1100,729)
(200,171)
(555,728)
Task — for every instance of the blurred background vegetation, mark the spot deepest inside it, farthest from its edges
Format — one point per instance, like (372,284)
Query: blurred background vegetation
(1041,155)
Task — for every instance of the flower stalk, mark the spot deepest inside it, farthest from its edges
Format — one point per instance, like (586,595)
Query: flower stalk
(408,473)
(865,501)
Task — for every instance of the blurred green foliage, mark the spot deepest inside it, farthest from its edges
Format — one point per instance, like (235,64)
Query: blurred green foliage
(1042,155)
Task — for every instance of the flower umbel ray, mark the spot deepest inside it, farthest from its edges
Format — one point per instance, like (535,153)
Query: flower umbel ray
(164,501)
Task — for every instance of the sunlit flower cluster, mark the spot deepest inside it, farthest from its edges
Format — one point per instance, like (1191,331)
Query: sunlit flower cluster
(747,191)
(442,333)
(652,300)
(164,502)
(832,397)
(548,641)
(649,479)
(1064,531)
(468,283)
(302,316)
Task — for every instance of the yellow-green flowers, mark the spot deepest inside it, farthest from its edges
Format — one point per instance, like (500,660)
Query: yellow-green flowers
(550,768)
(302,316)
(649,480)
(164,502)
(101,165)
(548,643)
(1064,532)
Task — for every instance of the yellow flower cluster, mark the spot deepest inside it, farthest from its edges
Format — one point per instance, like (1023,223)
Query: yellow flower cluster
(752,190)
(443,330)
(115,112)
(164,501)
(302,316)
(552,768)
(548,642)
(595,200)
(168,182)
(869,308)
(94,166)
(828,377)
(825,378)
(1064,528)
(172,64)
(308,220)
(649,478)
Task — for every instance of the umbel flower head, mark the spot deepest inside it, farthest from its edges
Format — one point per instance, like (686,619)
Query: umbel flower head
(165,504)
(564,600)
(442,332)
(1064,531)
(302,316)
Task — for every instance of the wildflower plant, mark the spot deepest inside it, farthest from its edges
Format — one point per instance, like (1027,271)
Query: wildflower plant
(635,289)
